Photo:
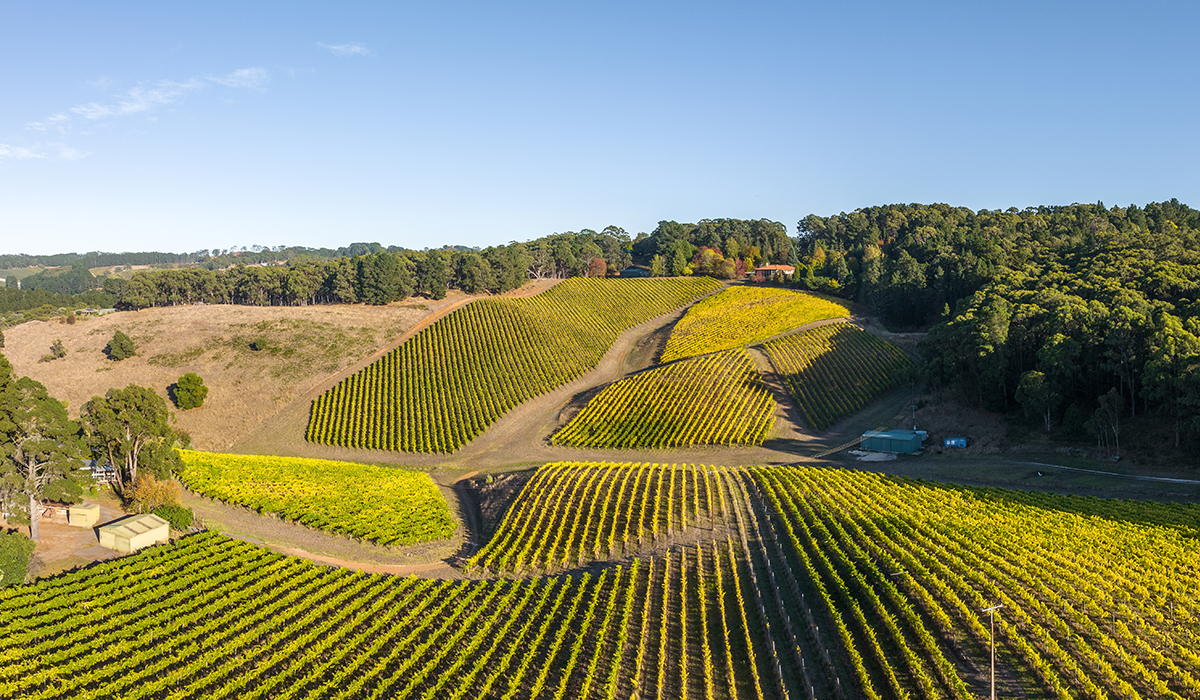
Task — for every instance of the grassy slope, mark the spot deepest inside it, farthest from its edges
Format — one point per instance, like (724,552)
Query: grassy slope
(305,345)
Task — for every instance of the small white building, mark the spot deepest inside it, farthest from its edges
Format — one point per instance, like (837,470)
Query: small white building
(130,534)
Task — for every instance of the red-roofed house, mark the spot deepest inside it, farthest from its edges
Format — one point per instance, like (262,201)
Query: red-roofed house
(767,270)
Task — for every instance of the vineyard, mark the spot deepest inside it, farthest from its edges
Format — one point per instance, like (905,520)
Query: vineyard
(385,505)
(836,369)
(741,316)
(571,513)
(714,400)
(217,618)
(1094,606)
(452,380)
(762,583)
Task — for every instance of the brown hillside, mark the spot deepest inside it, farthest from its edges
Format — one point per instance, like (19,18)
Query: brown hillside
(303,347)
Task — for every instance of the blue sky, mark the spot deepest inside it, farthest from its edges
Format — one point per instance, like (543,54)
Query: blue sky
(171,126)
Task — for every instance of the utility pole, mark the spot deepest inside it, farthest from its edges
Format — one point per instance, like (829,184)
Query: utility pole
(992,614)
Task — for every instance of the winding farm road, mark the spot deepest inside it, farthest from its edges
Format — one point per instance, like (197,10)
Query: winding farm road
(519,438)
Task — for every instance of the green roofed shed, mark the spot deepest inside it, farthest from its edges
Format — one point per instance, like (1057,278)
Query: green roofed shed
(899,441)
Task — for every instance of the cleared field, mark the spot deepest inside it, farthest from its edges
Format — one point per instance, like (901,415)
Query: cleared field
(383,505)
(452,380)
(741,316)
(835,370)
(714,400)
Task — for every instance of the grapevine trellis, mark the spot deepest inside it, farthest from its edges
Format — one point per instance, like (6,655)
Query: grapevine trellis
(798,583)
(718,399)
(385,505)
(836,369)
(574,512)
(741,316)
(452,380)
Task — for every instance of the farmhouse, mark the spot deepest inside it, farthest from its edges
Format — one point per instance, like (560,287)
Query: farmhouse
(768,270)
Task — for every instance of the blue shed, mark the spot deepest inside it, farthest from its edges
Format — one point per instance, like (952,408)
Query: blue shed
(900,441)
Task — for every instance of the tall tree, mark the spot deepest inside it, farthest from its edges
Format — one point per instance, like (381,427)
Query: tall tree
(39,444)
(131,428)
(1173,369)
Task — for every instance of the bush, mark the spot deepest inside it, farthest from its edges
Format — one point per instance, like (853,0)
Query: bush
(180,518)
(120,347)
(189,391)
(149,494)
(56,351)
(15,550)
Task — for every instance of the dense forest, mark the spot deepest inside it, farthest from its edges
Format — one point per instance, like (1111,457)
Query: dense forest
(1077,314)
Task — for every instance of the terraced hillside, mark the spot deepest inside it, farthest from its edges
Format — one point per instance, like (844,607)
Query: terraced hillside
(741,316)
(834,370)
(452,380)
(714,400)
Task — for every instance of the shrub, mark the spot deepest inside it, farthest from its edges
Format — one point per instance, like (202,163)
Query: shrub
(189,391)
(148,494)
(180,518)
(56,351)
(120,347)
(15,550)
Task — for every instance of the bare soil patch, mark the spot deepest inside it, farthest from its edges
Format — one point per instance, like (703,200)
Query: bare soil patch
(63,547)
(303,346)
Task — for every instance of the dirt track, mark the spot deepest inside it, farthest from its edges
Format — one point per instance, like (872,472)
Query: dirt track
(518,440)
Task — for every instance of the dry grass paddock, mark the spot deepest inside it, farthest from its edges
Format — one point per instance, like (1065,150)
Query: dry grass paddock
(300,347)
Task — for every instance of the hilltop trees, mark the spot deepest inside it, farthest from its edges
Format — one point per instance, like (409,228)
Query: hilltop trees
(38,444)
(131,427)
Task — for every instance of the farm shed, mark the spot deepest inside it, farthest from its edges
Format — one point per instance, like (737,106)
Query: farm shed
(130,534)
(900,441)
(84,515)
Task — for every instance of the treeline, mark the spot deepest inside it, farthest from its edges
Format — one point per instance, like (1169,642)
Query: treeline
(97,259)
(17,300)
(1080,315)
(213,259)
(381,277)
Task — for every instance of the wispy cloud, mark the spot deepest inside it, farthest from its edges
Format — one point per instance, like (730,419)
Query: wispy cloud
(244,78)
(52,121)
(143,99)
(9,152)
(39,150)
(351,49)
